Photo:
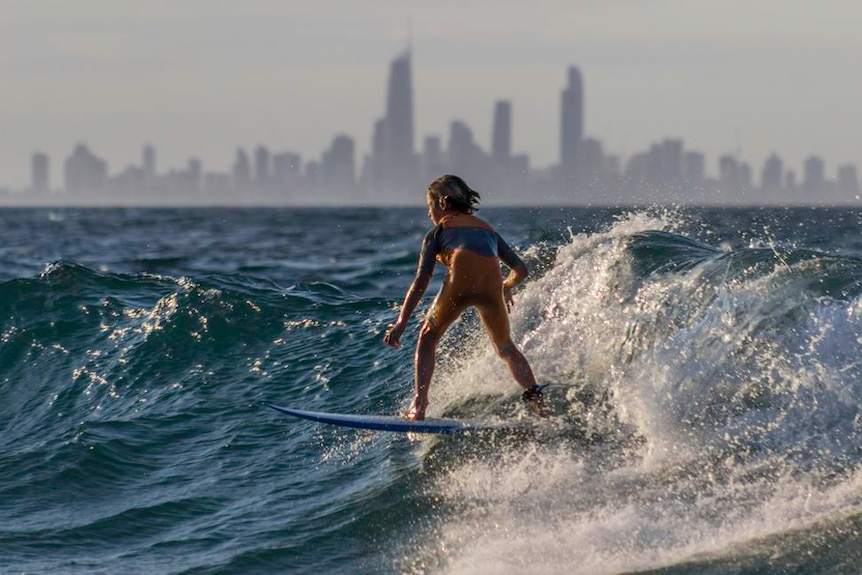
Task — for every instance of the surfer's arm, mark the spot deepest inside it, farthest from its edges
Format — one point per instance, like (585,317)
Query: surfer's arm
(518,271)
(427,259)
(411,300)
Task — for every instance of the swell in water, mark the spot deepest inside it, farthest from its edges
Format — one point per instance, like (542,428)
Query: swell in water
(706,415)
(704,370)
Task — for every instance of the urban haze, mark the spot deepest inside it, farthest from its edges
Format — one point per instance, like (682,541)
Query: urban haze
(386,152)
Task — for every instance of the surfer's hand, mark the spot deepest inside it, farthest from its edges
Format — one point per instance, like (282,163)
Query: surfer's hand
(393,334)
(507,297)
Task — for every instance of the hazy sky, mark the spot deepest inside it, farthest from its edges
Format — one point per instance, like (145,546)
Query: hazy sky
(201,77)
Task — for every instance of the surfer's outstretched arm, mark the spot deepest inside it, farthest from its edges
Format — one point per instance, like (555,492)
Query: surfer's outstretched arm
(411,300)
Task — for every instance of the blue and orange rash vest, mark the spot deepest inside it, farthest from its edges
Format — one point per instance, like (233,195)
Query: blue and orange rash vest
(483,241)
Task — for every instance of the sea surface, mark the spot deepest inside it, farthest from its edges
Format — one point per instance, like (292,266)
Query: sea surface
(705,369)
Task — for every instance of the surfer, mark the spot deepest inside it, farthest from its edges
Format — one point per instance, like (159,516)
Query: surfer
(471,250)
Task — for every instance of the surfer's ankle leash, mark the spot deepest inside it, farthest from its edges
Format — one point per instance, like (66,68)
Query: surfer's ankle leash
(532,393)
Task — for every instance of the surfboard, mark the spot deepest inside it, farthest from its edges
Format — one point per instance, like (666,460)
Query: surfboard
(388,422)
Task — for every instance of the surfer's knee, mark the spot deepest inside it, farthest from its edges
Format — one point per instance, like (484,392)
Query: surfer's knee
(507,349)
(429,334)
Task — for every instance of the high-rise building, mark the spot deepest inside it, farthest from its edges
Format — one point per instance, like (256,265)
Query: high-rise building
(242,171)
(772,175)
(40,175)
(671,154)
(399,162)
(592,156)
(729,174)
(338,167)
(261,167)
(501,140)
(84,172)
(433,163)
(286,170)
(813,176)
(463,153)
(194,172)
(693,168)
(571,130)
(848,183)
(149,159)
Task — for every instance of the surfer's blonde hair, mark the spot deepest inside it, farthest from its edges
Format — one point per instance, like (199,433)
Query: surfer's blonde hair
(458,194)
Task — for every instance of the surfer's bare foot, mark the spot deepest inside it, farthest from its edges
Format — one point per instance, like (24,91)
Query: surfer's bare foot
(535,400)
(416,412)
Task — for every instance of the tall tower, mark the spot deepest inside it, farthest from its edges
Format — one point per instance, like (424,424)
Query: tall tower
(149,158)
(399,157)
(84,172)
(262,172)
(40,174)
(501,141)
(242,171)
(571,130)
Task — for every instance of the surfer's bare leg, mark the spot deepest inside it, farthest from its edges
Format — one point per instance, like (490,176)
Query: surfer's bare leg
(445,310)
(495,317)
(426,349)
(518,364)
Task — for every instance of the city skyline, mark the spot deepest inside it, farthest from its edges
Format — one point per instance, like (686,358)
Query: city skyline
(394,170)
(727,77)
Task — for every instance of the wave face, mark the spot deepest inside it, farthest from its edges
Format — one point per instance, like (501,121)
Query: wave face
(704,370)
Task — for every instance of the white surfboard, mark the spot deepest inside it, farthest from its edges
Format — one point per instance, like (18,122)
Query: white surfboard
(389,422)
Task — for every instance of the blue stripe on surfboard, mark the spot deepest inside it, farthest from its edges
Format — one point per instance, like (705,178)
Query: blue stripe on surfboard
(386,422)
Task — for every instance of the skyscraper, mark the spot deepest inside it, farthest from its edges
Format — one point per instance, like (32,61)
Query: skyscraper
(242,171)
(463,153)
(772,175)
(693,168)
(339,168)
(501,140)
(571,130)
(40,179)
(262,172)
(149,157)
(399,162)
(814,177)
(84,172)
(848,183)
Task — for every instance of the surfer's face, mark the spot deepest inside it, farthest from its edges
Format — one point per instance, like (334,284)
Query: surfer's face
(436,211)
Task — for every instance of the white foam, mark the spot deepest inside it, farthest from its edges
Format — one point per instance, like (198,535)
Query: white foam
(703,370)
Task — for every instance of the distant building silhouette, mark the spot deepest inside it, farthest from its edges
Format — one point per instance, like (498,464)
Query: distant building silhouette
(501,139)
(149,162)
(848,183)
(463,156)
(433,162)
(286,173)
(84,173)
(592,156)
(399,162)
(671,158)
(813,177)
(393,172)
(242,171)
(338,168)
(571,133)
(194,175)
(729,174)
(261,167)
(693,170)
(772,175)
(40,180)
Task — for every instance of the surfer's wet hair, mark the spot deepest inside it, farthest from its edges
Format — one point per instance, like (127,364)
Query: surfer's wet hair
(458,194)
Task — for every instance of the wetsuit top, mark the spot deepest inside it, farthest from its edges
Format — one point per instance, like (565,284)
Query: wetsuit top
(483,241)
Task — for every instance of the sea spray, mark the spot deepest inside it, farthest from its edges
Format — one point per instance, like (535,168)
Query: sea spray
(727,380)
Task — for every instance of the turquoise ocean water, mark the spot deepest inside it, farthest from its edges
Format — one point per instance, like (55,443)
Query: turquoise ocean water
(706,363)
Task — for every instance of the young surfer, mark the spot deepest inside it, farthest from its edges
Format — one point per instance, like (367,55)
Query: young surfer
(471,250)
